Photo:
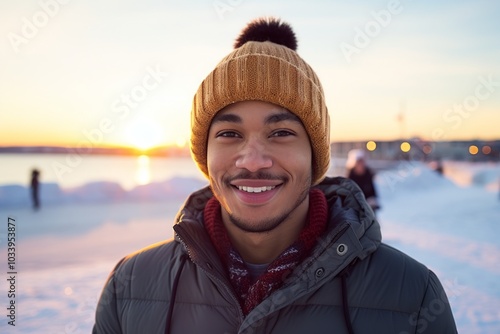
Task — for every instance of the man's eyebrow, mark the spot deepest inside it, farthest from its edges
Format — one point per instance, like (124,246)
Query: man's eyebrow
(282,116)
(227,118)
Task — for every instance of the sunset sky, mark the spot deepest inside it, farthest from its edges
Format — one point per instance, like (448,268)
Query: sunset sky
(124,72)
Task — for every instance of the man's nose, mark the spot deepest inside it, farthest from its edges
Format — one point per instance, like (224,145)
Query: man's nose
(254,156)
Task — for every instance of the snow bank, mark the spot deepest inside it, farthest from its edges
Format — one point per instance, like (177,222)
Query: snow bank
(482,174)
(98,192)
(177,188)
(409,177)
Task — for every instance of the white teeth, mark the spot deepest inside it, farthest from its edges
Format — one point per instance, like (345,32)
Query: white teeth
(255,189)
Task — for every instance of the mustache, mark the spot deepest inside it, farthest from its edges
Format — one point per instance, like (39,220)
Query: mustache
(260,175)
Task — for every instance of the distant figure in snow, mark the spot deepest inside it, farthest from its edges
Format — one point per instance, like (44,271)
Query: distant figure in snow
(359,172)
(35,173)
(439,167)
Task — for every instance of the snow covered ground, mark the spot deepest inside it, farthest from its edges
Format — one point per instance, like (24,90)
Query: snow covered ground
(66,250)
(452,225)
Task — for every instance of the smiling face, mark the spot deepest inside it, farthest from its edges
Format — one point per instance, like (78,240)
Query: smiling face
(259,165)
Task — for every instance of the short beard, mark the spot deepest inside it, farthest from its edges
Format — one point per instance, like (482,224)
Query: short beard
(264,226)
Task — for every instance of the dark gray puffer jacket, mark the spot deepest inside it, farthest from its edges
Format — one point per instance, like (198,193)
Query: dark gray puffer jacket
(352,283)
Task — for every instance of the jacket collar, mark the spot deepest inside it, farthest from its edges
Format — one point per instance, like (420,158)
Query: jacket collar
(347,206)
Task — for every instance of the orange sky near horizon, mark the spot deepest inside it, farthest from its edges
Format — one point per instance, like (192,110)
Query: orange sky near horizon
(108,75)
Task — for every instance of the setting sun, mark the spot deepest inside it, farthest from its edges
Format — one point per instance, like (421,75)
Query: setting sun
(143,133)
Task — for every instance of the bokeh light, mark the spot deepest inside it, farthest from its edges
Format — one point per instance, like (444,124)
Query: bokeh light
(405,147)
(486,149)
(473,149)
(371,145)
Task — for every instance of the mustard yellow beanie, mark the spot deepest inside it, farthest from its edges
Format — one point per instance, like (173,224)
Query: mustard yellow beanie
(265,67)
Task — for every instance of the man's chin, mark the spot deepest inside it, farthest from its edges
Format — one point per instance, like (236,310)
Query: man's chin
(256,226)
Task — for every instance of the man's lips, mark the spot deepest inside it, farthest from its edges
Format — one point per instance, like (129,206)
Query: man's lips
(256,191)
(256,185)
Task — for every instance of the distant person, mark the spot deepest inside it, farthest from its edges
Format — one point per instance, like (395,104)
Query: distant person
(439,167)
(271,245)
(359,172)
(35,185)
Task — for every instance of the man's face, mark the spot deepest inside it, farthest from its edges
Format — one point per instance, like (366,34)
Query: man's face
(259,164)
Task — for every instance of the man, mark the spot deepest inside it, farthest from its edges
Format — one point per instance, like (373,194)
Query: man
(272,246)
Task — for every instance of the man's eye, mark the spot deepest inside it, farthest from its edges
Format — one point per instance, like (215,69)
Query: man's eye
(227,134)
(282,133)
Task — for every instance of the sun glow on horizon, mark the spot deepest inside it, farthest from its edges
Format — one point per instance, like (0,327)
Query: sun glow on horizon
(143,133)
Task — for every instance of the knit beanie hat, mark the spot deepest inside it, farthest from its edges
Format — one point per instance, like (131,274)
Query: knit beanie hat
(264,66)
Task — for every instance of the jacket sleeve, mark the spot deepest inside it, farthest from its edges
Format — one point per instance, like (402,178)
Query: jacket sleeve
(106,318)
(435,316)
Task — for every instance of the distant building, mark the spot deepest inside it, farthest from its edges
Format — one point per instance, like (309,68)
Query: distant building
(418,149)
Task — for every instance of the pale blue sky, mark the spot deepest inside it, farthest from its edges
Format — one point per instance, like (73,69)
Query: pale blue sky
(69,76)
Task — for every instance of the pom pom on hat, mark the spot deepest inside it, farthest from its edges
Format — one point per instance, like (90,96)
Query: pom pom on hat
(268,29)
(264,67)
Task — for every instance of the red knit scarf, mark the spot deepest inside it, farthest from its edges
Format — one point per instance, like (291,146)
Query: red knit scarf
(251,294)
